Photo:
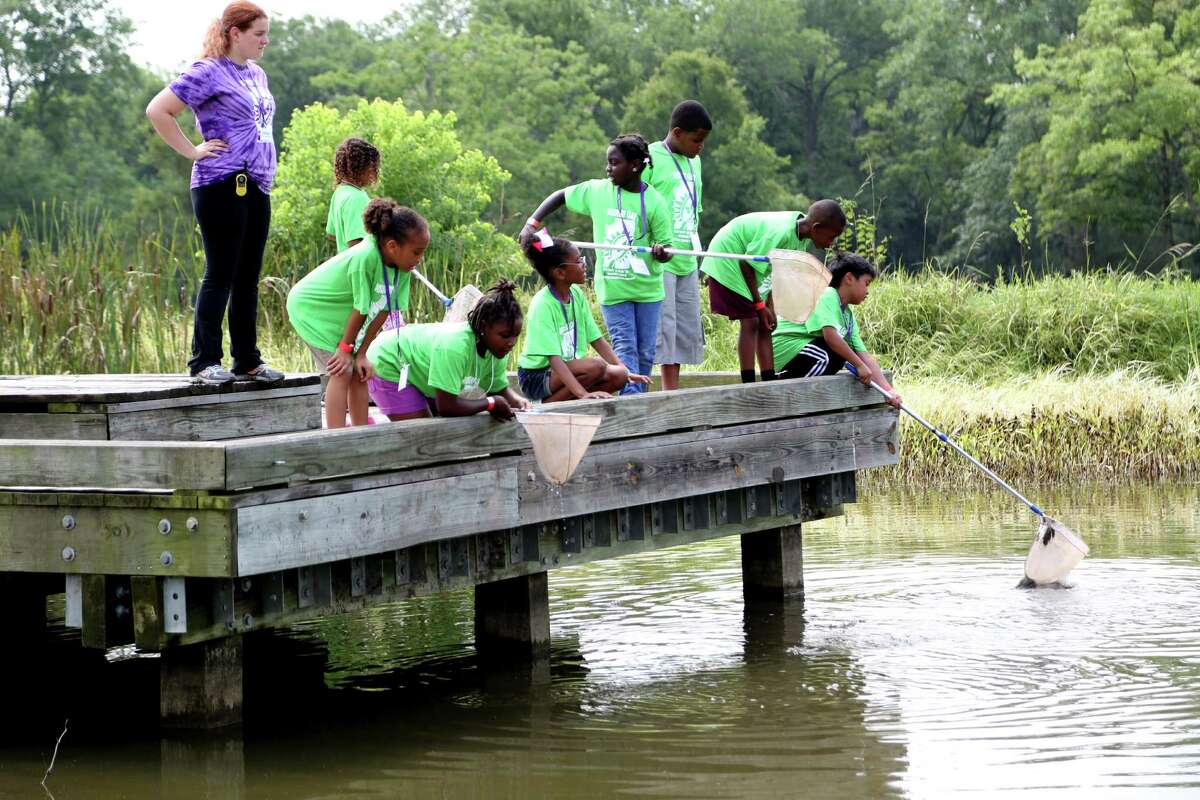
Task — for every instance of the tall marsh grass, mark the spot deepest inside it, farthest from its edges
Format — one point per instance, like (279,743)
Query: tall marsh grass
(1052,428)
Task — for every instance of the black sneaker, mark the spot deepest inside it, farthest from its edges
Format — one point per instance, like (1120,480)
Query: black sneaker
(261,374)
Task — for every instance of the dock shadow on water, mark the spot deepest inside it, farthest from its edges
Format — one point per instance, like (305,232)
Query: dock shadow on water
(911,668)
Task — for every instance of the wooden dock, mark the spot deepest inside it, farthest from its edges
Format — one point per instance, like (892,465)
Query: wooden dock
(181,542)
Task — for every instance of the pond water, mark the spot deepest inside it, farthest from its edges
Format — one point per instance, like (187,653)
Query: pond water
(912,668)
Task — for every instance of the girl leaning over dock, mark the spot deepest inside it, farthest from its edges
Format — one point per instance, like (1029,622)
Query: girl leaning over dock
(232,172)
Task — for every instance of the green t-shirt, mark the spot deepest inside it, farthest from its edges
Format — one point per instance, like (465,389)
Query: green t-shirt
(623,276)
(676,178)
(754,235)
(439,355)
(319,305)
(345,221)
(552,329)
(790,338)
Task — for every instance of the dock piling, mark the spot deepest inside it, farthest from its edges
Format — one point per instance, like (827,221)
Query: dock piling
(512,616)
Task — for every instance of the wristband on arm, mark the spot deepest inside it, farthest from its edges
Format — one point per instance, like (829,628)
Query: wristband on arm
(759,305)
(533,223)
(345,348)
(491,402)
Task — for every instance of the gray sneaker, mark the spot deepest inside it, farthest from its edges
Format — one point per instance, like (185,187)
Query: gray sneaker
(213,374)
(261,374)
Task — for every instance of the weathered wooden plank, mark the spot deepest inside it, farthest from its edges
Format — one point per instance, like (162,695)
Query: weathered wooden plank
(287,458)
(115,541)
(117,388)
(112,465)
(321,529)
(620,475)
(216,421)
(224,398)
(79,427)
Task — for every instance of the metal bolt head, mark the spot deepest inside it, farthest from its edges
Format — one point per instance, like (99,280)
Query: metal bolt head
(248,620)
(68,522)
(166,559)
(164,526)
(246,584)
(303,516)
(68,554)
(192,524)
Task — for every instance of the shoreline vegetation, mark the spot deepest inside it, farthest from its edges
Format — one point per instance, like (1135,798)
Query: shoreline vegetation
(1089,376)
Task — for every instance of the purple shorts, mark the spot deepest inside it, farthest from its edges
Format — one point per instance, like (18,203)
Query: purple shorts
(728,303)
(391,400)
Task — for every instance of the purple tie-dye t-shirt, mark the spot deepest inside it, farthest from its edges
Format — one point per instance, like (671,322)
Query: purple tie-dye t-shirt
(232,103)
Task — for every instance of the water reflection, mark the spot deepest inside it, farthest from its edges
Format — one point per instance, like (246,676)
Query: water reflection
(913,667)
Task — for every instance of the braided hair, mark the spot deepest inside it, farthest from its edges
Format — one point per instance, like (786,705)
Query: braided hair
(384,217)
(634,148)
(547,258)
(354,161)
(498,306)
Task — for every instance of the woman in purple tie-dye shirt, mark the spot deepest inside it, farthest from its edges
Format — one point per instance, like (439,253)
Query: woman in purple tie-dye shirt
(232,172)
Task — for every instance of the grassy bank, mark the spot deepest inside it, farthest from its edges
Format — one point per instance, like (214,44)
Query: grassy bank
(1119,427)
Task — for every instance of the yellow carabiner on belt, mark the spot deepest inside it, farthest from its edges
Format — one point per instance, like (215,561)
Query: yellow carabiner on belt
(240,184)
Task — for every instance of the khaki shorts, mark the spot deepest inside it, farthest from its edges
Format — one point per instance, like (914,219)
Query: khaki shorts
(320,361)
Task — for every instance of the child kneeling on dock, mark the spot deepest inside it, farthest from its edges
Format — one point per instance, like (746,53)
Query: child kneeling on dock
(451,369)
(368,281)
(829,339)
(553,366)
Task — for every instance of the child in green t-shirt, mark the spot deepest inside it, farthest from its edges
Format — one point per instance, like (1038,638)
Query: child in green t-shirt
(329,305)
(459,367)
(734,286)
(624,210)
(829,338)
(355,167)
(553,365)
(675,173)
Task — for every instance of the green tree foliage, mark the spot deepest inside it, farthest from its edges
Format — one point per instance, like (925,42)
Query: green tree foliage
(741,170)
(517,98)
(425,166)
(934,116)
(1119,107)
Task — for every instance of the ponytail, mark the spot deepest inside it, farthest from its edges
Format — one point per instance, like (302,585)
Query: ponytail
(497,306)
(240,15)
(547,258)
(634,148)
(384,217)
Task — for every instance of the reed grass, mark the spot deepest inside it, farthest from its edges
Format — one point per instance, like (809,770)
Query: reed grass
(1122,426)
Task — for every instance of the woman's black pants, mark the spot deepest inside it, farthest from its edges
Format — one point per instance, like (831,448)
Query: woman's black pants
(234,230)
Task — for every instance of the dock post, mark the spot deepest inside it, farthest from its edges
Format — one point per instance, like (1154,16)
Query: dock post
(200,685)
(773,564)
(512,616)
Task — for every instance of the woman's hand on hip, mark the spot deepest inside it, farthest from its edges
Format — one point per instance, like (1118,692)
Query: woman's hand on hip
(210,148)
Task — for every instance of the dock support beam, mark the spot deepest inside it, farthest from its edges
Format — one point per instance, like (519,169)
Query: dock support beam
(773,564)
(200,685)
(512,617)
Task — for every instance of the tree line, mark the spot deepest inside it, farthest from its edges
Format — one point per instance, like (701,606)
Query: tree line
(1064,133)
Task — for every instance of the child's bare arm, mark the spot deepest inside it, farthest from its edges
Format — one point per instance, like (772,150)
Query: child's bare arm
(766,315)
(361,365)
(605,351)
(880,378)
(837,345)
(566,377)
(551,204)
